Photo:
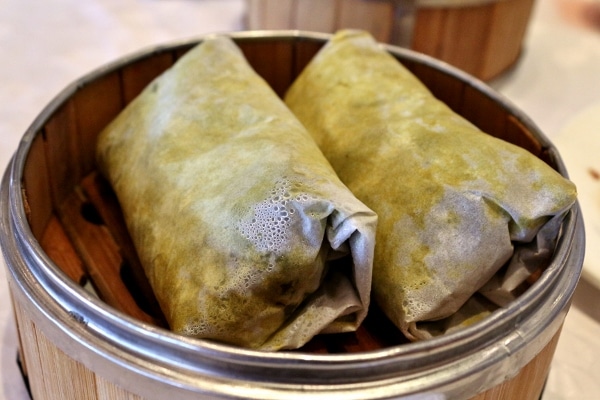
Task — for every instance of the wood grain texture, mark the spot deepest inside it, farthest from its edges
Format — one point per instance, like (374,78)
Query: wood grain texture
(36,187)
(62,144)
(100,253)
(136,76)
(58,246)
(274,61)
(96,104)
(483,40)
(528,384)
(53,375)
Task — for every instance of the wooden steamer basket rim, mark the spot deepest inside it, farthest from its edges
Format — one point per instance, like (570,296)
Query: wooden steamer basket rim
(152,361)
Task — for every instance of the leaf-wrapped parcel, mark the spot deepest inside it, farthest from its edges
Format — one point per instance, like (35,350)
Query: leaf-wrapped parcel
(456,206)
(245,232)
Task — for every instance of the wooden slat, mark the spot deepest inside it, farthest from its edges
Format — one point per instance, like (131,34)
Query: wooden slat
(100,194)
(304,51)
(36,188)
(52,374)
(274,61)
(101,256)
(507,29)
(484,112)
(483,40)
(62,142)
(64,378)
(21,351)
(517,133)
(429,25)
(529,382)
(375,16)
(59,248)
(465,37)
(109,391)
(443,86)
(29,350)
(96,104)
(136,76)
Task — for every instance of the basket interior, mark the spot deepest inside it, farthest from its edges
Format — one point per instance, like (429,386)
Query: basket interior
(75,216)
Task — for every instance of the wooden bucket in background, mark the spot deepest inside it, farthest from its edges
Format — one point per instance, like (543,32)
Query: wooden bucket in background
(481,37)
(88,324)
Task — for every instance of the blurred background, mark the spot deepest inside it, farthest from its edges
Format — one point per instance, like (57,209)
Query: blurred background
(542,55)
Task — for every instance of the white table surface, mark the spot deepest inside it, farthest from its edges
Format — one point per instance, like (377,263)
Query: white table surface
(45,45)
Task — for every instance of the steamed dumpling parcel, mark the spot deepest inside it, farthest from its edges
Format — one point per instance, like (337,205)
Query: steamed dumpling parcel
(454,204)
(245,232)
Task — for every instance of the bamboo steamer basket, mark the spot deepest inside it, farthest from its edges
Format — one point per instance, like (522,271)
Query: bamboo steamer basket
(481,37)
(90,329)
